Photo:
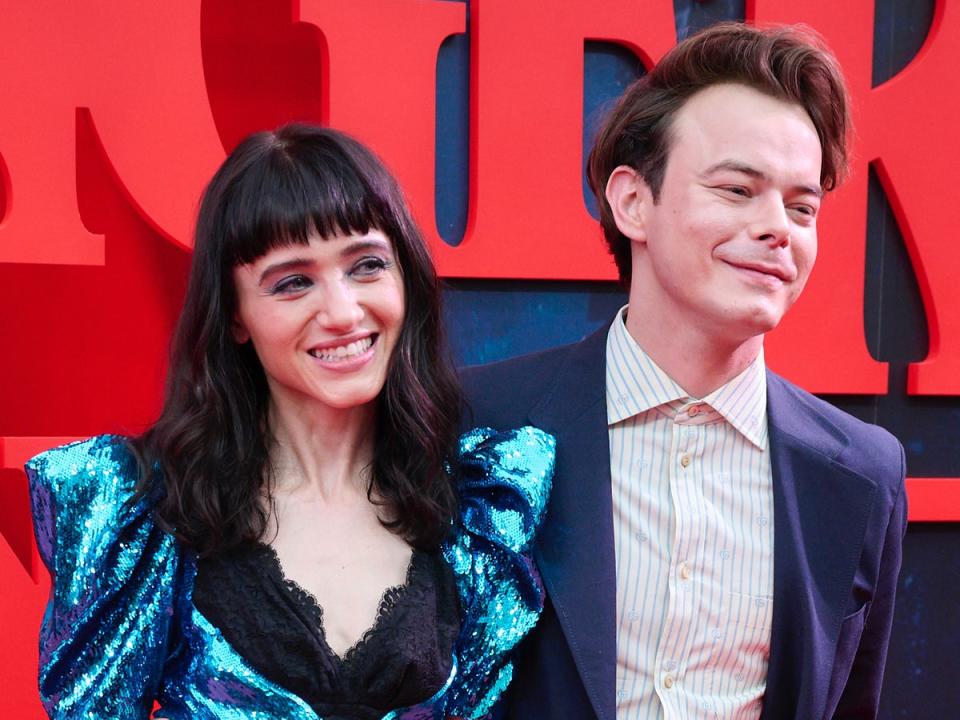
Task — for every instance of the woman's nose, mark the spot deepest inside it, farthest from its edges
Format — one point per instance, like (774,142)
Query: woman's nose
(339,309)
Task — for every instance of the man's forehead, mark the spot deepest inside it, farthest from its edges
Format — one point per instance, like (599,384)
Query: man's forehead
(729,125)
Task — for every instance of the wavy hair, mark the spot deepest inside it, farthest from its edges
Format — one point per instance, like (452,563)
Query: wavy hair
(207,458)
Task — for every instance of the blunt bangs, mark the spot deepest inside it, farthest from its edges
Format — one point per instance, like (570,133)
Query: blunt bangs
(290,186)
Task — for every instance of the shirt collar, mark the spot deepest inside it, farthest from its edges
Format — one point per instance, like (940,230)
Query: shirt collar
(635,384)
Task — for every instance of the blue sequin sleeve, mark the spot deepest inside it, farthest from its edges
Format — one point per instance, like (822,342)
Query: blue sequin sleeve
(114,576)
(504,486)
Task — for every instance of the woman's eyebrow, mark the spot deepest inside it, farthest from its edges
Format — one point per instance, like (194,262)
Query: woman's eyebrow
(365,244)
(291,264)
(298,263)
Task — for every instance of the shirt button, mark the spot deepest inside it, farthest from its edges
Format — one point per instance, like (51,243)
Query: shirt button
(693,410)
(686,572)
(668,681)
(685,460)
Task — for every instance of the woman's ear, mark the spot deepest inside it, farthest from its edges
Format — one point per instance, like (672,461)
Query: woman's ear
(628,195)
(239,331)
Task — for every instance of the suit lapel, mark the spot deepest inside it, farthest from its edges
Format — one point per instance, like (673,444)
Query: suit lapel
(821,509)
(575,550)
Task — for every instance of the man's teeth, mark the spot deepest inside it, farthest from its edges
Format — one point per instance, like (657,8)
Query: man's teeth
(343,352)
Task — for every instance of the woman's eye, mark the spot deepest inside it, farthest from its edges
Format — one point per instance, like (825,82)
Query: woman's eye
(369,266)
(291,284)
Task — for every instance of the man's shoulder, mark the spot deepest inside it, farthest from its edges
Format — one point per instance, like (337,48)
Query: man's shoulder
(864,447)
(515,368)
(503,392)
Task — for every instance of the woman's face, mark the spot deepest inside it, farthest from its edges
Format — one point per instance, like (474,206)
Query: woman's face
(324,318)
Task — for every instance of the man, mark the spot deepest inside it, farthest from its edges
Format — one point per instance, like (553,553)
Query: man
(719,543)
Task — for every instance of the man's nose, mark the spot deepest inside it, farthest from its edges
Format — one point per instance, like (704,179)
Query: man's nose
(339,308)
(772,224)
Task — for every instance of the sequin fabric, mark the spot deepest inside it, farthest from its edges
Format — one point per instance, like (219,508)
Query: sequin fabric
(121,631)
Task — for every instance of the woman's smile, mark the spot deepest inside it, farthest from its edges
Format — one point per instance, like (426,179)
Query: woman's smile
(347,355)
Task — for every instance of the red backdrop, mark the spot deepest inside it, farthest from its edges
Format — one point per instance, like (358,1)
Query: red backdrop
(115,113)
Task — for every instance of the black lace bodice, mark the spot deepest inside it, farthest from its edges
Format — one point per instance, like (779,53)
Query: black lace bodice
(277,626)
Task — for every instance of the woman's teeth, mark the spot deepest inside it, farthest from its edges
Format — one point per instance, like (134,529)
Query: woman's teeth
(344,352)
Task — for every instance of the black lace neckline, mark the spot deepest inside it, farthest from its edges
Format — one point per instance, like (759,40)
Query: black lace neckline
(389,599)
(276,625)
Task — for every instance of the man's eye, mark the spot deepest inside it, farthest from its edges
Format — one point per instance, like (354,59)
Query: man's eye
(737,190)
(291,284)
(805,210)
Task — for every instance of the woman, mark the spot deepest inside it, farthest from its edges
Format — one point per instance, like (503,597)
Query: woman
(298,536)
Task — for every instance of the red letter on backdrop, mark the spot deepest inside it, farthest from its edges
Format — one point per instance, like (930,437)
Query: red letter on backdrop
(141,76)
(907,128)
(41,223)
(527,218)
(380,69)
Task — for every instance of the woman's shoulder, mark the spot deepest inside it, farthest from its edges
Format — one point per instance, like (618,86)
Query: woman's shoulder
(504,480)
(504,483)
(102,471)
(115,580)
(83,491)
(83,459)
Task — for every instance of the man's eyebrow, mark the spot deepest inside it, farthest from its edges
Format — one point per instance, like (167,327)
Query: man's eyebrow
(735,166)
(750,171)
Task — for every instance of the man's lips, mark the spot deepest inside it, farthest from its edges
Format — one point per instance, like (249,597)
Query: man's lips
(777,271)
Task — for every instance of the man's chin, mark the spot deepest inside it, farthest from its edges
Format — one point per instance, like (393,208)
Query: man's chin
(751,324)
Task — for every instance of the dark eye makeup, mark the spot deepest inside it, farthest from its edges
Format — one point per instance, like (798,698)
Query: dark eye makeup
(290,284)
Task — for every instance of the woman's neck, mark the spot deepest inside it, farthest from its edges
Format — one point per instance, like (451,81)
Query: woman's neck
(321,452)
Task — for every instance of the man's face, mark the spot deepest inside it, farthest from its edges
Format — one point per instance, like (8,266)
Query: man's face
(729,245)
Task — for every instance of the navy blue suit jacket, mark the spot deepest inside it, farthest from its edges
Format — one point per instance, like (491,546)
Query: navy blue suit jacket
(840,515)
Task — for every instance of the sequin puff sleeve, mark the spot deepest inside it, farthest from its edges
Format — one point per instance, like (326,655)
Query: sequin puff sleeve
(104,634)
(504,486)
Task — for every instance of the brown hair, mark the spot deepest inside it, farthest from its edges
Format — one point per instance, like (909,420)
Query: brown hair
(789,63)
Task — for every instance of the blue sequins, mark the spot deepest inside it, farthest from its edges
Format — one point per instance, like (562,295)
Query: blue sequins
(120,630)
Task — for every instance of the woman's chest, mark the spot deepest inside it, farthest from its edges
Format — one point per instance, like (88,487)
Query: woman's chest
(347,566)
(402,658)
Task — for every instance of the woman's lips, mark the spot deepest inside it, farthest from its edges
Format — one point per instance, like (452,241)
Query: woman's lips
(346,357)
(343,351)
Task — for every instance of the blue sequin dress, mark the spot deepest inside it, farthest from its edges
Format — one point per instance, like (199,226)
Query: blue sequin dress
(121,630)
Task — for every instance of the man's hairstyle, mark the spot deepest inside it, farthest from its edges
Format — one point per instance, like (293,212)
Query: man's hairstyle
(788,63)
(207,458)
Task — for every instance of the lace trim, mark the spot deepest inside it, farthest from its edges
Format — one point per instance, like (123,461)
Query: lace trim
(389,600)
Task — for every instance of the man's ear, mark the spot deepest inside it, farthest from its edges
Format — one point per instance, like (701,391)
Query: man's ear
(628,196)
(239,331)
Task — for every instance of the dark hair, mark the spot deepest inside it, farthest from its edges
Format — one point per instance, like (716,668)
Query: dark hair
(788,63)
(208,455)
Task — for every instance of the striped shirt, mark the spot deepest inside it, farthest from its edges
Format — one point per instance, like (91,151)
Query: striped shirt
(693,535)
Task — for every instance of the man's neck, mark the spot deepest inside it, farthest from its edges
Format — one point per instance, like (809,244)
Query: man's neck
(697,361)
